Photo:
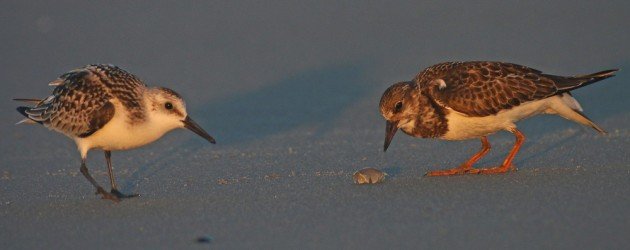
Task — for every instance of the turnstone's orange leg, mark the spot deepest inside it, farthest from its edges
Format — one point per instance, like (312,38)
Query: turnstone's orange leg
(108,158)
(466,166)
(507,163)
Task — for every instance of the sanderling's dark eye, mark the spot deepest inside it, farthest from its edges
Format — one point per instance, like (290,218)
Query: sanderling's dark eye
(168,105)
(398,107)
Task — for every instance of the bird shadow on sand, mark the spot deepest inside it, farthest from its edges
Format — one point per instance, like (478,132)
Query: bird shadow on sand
(314,98)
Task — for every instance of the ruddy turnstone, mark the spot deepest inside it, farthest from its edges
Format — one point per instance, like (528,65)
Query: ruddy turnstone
(106,107)
(466,100)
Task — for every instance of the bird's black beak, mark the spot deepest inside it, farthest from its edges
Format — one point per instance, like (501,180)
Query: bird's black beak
(194,127)
(390,131)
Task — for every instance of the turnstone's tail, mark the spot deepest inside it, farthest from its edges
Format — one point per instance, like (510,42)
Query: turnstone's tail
(573,111)
(583,119)
(599,75)
(565,84)
(570,108)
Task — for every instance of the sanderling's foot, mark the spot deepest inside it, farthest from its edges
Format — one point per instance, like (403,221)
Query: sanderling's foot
(105,195)
(120,195)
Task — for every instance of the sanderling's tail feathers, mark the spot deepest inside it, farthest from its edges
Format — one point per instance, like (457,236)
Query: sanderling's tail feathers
(28,100)
(56,82)
(27,120)
(23,110)
(565,84)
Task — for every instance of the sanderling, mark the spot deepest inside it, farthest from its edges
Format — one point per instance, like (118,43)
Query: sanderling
(466,100)
(103,106)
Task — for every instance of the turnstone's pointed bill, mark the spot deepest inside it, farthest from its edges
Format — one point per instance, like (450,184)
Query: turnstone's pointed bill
(466,100)
(103,106)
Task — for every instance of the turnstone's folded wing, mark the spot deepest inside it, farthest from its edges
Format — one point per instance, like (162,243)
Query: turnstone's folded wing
(485,88)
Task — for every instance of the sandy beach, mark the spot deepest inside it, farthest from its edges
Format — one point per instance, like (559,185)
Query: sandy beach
(290,92)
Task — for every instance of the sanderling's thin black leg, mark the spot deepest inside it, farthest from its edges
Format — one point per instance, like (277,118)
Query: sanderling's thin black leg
(112,181)
(108,158)
(99,189)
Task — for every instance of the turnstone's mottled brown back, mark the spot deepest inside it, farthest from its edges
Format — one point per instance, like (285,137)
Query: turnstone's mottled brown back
(485,88)
(80,103)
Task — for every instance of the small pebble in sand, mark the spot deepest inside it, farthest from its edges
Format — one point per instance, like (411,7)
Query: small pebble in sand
(368,176)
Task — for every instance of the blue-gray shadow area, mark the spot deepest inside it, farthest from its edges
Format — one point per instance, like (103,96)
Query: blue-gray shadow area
(313,98)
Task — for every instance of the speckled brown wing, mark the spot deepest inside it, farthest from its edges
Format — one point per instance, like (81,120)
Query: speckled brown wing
(485,88)
(81,102)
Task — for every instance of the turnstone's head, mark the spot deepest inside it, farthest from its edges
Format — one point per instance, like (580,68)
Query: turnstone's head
(397,109)
(169,110)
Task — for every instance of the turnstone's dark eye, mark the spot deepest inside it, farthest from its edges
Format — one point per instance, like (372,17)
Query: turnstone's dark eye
(168,105)
(398,107)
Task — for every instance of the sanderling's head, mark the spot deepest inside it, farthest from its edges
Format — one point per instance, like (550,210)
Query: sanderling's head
(169,109)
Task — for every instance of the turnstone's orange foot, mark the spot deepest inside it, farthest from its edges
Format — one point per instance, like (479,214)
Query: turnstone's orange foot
(468,100)
(120,195)
(493,170)
(105,107)
(447,172)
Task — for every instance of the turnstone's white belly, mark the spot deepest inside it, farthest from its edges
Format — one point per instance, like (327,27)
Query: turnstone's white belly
(462,127)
